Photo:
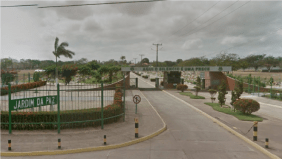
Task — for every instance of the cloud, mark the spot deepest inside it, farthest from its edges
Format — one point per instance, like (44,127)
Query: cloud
(108,31)
(233,40)
(91,26)
(192,44)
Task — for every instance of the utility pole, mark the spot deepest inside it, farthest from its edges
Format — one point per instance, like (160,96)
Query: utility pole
(141,58)
(135,60)
(157,52)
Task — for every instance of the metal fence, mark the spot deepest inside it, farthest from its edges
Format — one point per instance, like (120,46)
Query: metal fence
(76,106)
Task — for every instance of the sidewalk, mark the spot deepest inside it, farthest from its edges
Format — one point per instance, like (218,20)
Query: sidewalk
(117,133)
(270,127)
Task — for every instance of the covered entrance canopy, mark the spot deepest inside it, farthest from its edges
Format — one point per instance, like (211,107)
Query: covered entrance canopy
(211,75)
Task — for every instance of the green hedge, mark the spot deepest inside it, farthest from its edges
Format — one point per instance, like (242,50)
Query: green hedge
(47,120)
(21,87)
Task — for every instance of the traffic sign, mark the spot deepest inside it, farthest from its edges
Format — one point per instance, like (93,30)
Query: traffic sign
(136,99)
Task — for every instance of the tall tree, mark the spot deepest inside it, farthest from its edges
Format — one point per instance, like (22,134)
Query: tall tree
(59,51)
(178,61)
(270,62)
(226,59)
(145,60)
(255,60)
(6,63)
(243,64)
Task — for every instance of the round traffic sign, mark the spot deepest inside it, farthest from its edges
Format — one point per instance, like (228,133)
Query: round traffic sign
(136,99)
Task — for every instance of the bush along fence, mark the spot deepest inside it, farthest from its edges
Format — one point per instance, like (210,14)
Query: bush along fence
(22,87)
(14,78)
(75,108)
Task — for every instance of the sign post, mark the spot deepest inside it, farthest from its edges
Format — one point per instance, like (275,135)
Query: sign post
(136,100)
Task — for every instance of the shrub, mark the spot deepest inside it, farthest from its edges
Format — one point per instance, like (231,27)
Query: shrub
(162,83)
(181,87)
(145,76)
(197,89)
(69,71)
(8,76)
(36,76)
(20,87)
(153,79)
(221,93)
(246,106)
(20,119)
(198,81)
(212,93)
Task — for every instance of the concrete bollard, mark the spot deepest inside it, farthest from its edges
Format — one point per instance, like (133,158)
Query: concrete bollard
(266,143)
(255,134)
(105,140)
(136,128)
(9,145)
(59,143)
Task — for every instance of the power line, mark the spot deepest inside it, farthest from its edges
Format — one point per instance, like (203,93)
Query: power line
(28,5)
(215,20)
(193,20)
(124,2)
(215,16)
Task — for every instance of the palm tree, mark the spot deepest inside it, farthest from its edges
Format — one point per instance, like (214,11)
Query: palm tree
(60,50)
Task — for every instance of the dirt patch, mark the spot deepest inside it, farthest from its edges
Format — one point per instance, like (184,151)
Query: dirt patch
(277,76)
(21,72)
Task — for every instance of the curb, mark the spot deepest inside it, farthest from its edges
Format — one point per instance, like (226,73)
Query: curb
(60,152)
(255,145)
(89,149)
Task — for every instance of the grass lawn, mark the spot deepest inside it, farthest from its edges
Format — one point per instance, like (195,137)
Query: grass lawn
(192,96)
(236,114)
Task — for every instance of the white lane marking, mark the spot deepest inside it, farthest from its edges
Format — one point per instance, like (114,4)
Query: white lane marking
(153,108)
(271,105)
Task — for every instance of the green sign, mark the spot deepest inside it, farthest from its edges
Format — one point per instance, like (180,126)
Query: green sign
(32,102)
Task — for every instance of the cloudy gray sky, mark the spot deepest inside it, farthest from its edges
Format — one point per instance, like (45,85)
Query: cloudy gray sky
(185,28)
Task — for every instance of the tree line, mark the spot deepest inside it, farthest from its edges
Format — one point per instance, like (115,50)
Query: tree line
(222,59)
(229,59)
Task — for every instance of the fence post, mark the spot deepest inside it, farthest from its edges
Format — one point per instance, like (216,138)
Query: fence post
(10,113)
(58,100)
(271,81)
(23,78)
(258,85)
(102,106)
(249,81)
(28,77)
(136,82)
(254,85)
(17,78)
(124,97)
